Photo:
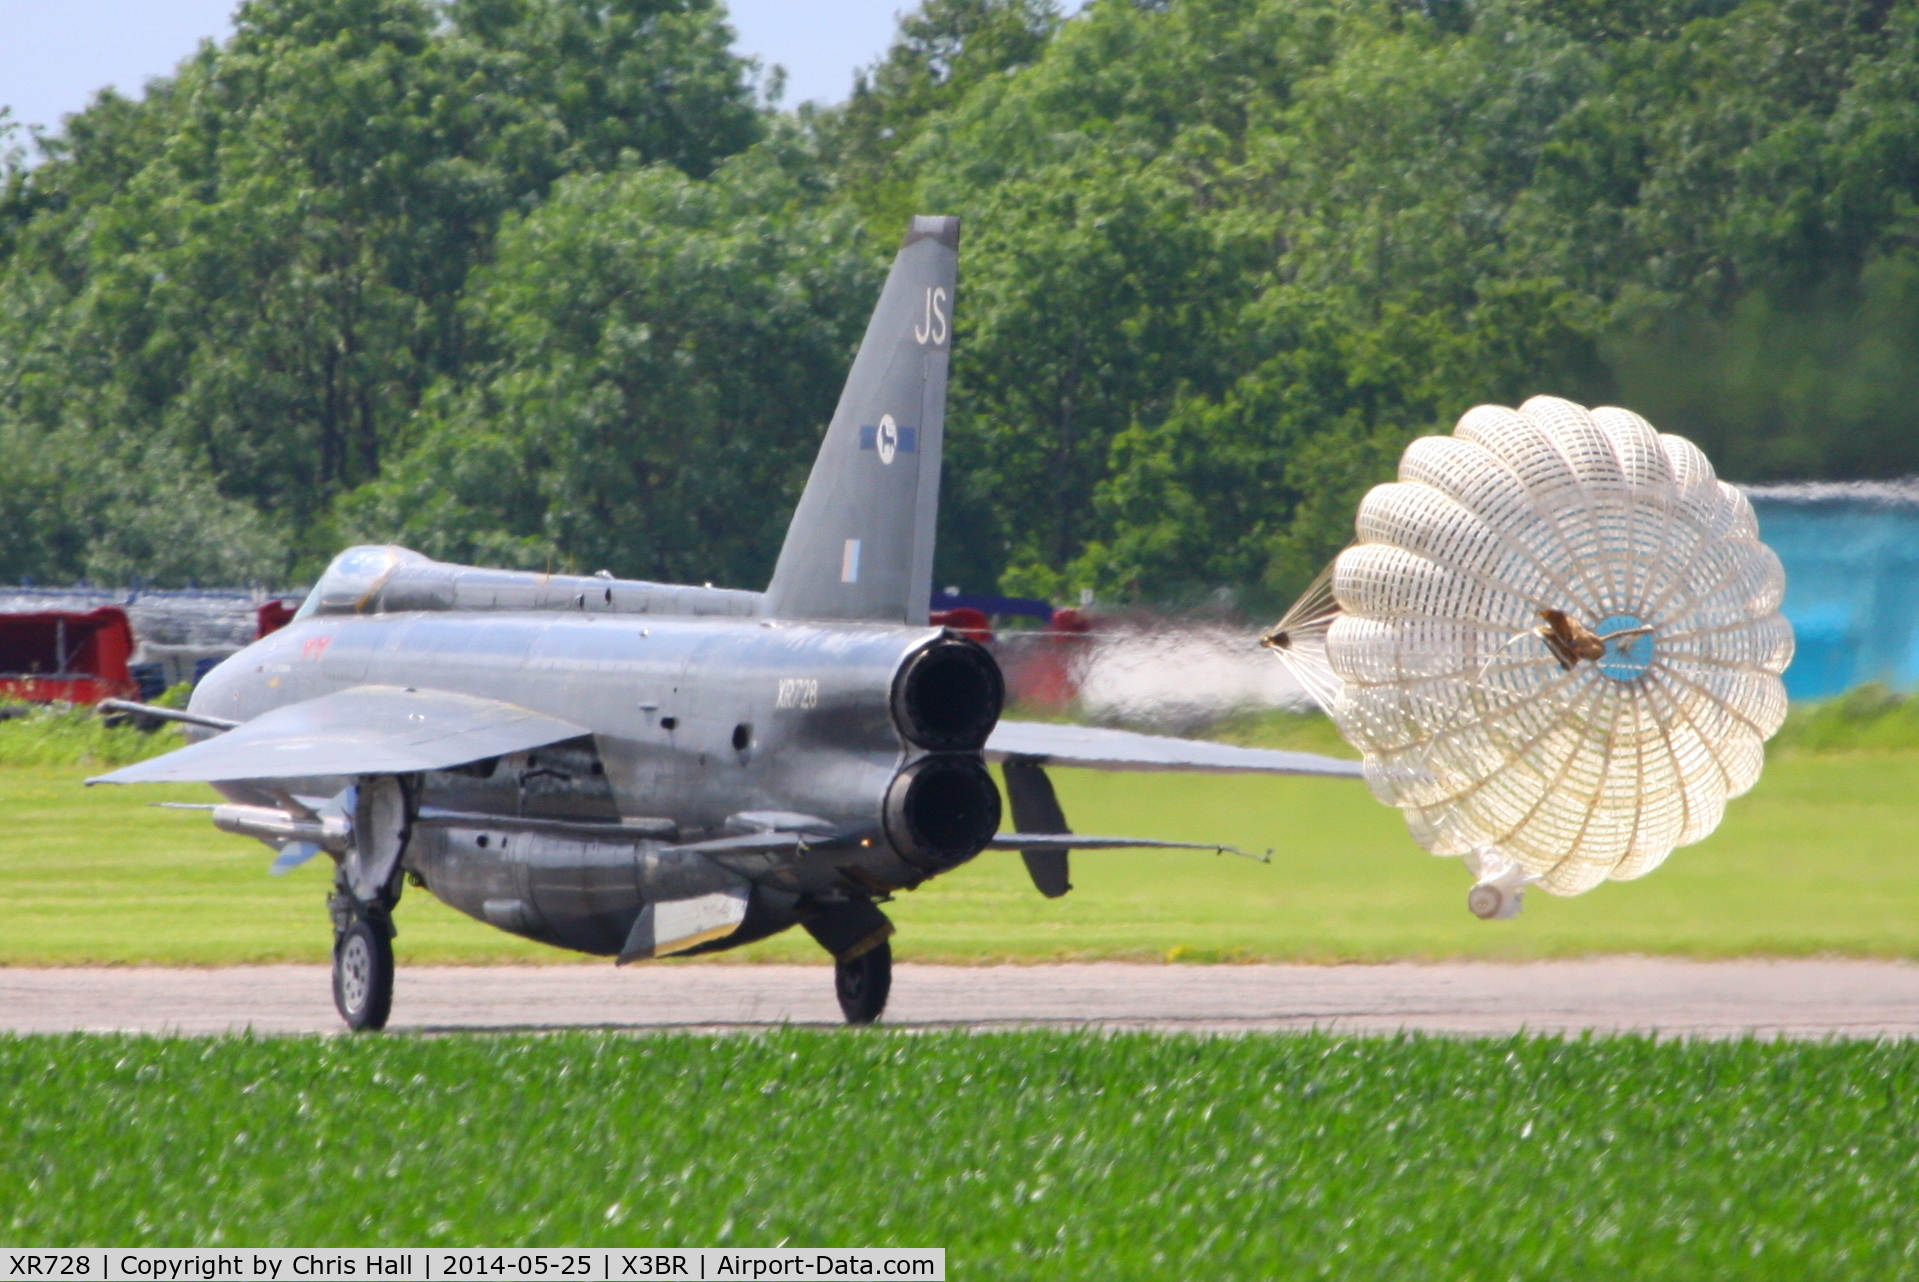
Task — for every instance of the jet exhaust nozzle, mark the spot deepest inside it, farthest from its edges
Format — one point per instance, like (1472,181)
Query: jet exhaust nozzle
(941,811)
(947,696)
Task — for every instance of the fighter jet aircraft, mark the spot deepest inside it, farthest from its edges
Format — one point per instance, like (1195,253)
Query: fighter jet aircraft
(640,770)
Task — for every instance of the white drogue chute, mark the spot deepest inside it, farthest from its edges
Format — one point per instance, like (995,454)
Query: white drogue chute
(1558,643)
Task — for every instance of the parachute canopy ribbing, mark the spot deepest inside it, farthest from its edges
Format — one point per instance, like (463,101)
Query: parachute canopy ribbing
(1557,638)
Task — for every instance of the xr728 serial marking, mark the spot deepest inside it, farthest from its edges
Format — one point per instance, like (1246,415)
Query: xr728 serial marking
(798,692)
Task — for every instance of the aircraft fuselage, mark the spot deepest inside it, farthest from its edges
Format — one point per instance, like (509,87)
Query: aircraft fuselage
(697,730)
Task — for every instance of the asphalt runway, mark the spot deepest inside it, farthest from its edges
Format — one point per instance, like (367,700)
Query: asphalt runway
(1804,999)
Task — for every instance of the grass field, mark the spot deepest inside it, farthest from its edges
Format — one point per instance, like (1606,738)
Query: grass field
(1027,1155)
(1823,857)
(1032,1155)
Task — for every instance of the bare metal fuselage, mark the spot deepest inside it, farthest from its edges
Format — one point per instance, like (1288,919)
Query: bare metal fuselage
(698,727)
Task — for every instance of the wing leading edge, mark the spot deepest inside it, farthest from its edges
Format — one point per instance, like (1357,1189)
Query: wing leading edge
(1066,745)
(366,730)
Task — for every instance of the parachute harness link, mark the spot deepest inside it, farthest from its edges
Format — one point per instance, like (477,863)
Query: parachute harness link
(1279,638)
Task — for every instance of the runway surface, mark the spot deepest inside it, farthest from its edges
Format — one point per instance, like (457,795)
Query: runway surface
(1809,999)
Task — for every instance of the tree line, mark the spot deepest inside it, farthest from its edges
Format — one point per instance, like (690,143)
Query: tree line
(560,283)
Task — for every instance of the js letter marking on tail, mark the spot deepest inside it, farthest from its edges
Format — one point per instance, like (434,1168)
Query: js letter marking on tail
(933,329)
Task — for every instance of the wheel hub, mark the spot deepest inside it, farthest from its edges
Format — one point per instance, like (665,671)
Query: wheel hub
(356,972)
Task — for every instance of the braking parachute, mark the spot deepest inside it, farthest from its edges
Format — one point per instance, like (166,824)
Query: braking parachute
(1556,641)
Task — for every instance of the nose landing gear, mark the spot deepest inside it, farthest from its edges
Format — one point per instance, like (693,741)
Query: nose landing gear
(366,889)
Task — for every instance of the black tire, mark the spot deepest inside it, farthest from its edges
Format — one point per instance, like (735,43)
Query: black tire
(863,983)
(363,976)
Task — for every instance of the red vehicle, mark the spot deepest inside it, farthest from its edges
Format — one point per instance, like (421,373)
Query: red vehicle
(272,616)
(1049,676)
(965,620)
(66,656)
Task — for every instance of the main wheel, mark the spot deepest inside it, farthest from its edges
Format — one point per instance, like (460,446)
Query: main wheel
(363,975)
(862,984)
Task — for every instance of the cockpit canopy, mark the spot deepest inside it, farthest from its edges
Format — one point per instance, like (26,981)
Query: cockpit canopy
(353,577)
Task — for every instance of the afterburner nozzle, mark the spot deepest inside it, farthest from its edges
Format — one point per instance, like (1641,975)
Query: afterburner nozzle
(942,810)
(947,695)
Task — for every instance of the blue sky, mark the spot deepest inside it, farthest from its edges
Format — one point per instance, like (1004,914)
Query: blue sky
(55,54)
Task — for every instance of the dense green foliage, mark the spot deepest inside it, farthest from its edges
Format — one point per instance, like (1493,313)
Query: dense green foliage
(1025,1155)
(1869,718)
(252,276)
(544,281)
(661,354)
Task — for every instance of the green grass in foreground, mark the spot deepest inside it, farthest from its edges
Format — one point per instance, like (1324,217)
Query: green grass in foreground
(1026,1155)
(1823,857)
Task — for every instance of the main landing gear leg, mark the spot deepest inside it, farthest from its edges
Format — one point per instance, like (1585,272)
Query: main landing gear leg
(855,931)
(862,983)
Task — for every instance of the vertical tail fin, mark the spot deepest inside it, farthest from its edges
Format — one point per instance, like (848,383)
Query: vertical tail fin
(861,542)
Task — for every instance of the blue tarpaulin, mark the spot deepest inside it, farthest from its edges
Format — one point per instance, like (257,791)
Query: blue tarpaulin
(1851,552)
(953,599)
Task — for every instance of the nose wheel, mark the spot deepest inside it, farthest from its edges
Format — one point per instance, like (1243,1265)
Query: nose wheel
(863,982)
(363,974)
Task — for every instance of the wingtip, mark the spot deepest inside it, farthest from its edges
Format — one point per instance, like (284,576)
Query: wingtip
(125,774)
(945,228)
